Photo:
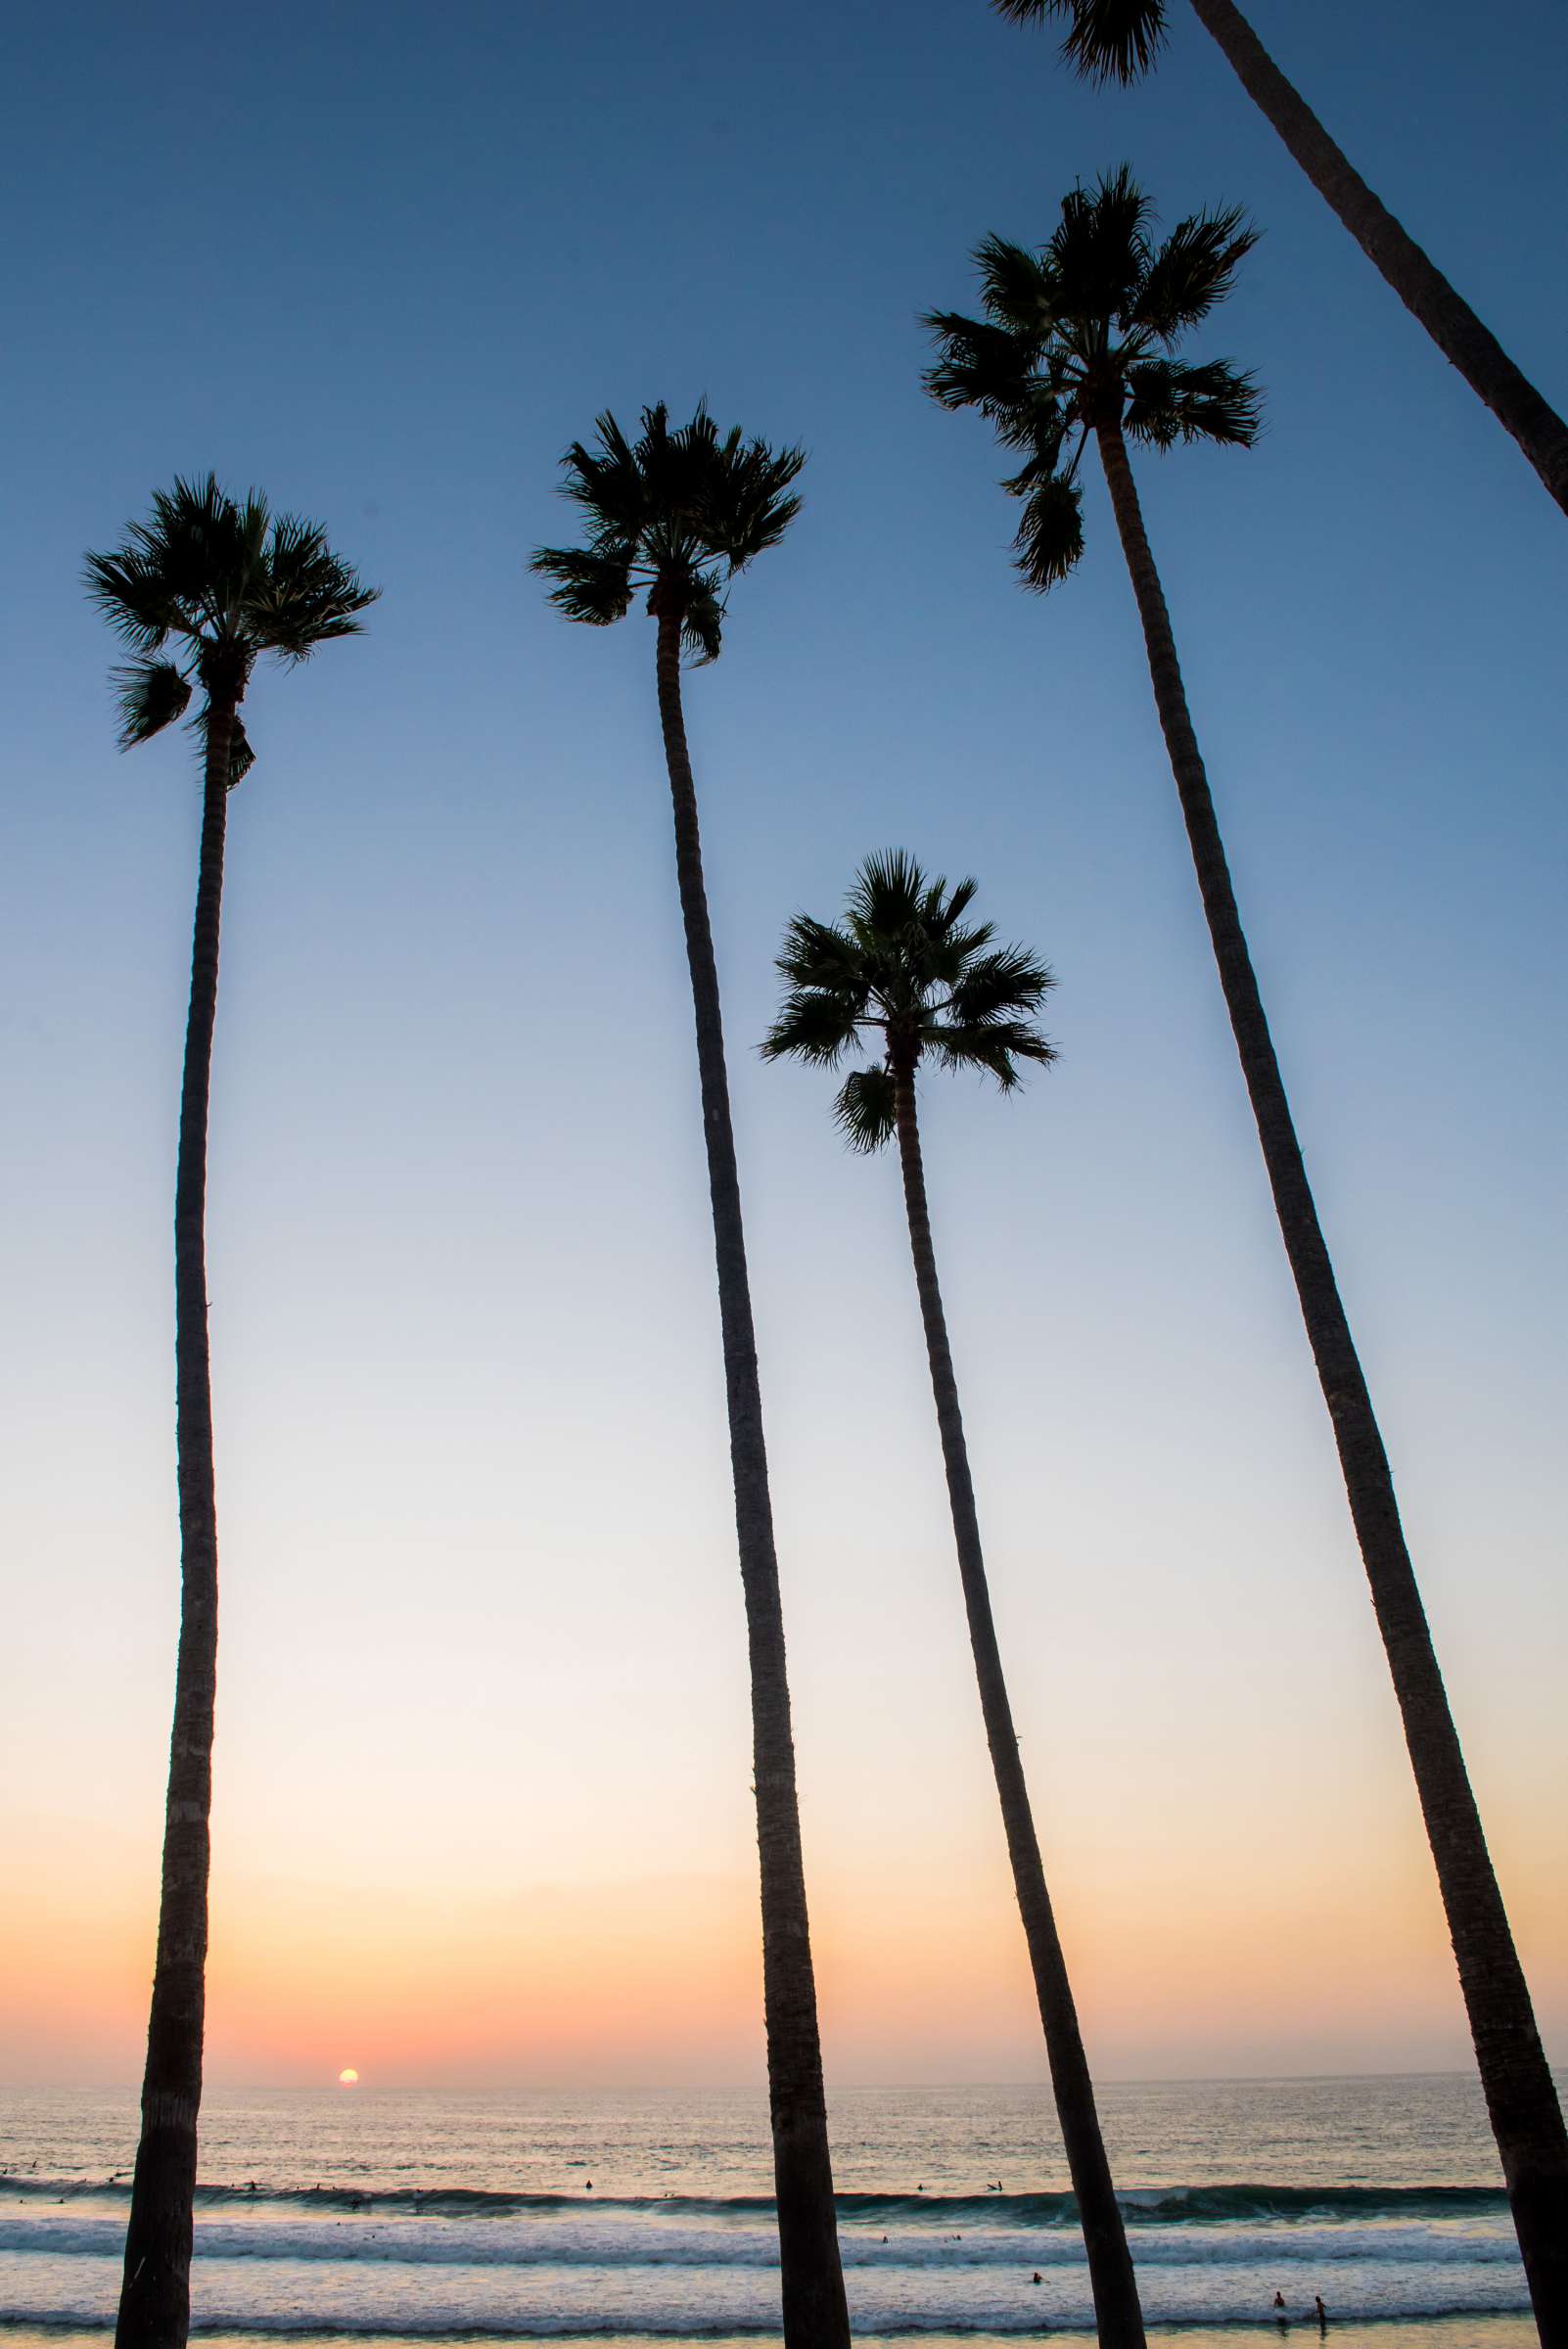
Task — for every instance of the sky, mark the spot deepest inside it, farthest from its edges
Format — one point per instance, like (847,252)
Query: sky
(483,1801)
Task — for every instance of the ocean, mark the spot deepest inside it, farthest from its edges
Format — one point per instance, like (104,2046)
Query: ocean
(378,2216)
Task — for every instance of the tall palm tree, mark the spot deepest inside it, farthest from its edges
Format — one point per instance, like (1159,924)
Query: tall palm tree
(908,974)
(1118,40)
(198,593)
(1079,340)
(676,515)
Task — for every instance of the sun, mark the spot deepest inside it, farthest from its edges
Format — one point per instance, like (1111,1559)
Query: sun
(348,2077)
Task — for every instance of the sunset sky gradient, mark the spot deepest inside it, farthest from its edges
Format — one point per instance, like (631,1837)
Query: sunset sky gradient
(482,1808)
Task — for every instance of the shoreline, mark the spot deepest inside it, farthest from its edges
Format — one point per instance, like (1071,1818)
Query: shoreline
(1495,2332)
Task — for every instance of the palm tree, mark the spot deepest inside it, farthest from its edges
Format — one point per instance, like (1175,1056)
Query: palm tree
(1078,339)
(677,514)
(908,974)
(198,593)
(1118,40)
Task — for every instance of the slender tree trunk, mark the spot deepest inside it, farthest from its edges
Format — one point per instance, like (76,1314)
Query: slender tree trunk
(1118,2316)
(815,2314)
(1423,289)
(1520,2094)
(155,2302)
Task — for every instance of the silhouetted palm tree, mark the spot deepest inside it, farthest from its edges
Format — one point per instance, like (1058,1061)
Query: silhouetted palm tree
(905,974)
(198,593)
(677,514)
(1078,340)
(1119,40)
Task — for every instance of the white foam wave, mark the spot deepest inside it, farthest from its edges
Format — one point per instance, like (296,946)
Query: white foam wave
(664,2299)
(563,2240)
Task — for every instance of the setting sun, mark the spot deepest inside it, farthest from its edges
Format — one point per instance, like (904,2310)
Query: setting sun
(348,2078)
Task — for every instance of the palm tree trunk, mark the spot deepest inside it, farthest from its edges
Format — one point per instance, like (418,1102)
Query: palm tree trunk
(1521,2098)
(1422,288)
(815,2314)
(155,2303)
(1118,2315)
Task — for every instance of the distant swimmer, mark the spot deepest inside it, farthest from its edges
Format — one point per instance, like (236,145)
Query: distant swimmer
(1035,2277)
(1320,2311)
(587,2186)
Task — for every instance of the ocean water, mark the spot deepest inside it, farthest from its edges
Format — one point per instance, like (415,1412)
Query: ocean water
(644,2217)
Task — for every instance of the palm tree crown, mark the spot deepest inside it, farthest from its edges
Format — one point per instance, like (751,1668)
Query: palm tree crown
(1084,331)
(905,966)
(677,513)
(1107,40)
(220,580)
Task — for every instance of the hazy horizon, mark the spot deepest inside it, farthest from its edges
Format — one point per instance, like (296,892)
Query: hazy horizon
(759,2085)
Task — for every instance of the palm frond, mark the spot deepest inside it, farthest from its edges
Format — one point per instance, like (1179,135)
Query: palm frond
(205,546)
(151,695)
(301,594)
(702,627)
(1045,444)
(867,1109)
(979,365)
(819,954)
(814,1025)
(1016,286)
(888,892)
(133,597)
(1099,252)
(1108,40)
(1049,539)
(1008,984)
(954,906)
(610,484)
(1114,40)
(588,586)
(1193,269)
(993,1048)
(1168,403)
(744,502)
(240,754)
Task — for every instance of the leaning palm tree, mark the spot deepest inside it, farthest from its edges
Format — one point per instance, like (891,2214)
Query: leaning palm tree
(1079,340)
(1117,40)
(677,514)
(909,976)
(200,593)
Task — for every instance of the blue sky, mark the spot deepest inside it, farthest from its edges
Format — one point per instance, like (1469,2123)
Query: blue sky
(472,1477)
